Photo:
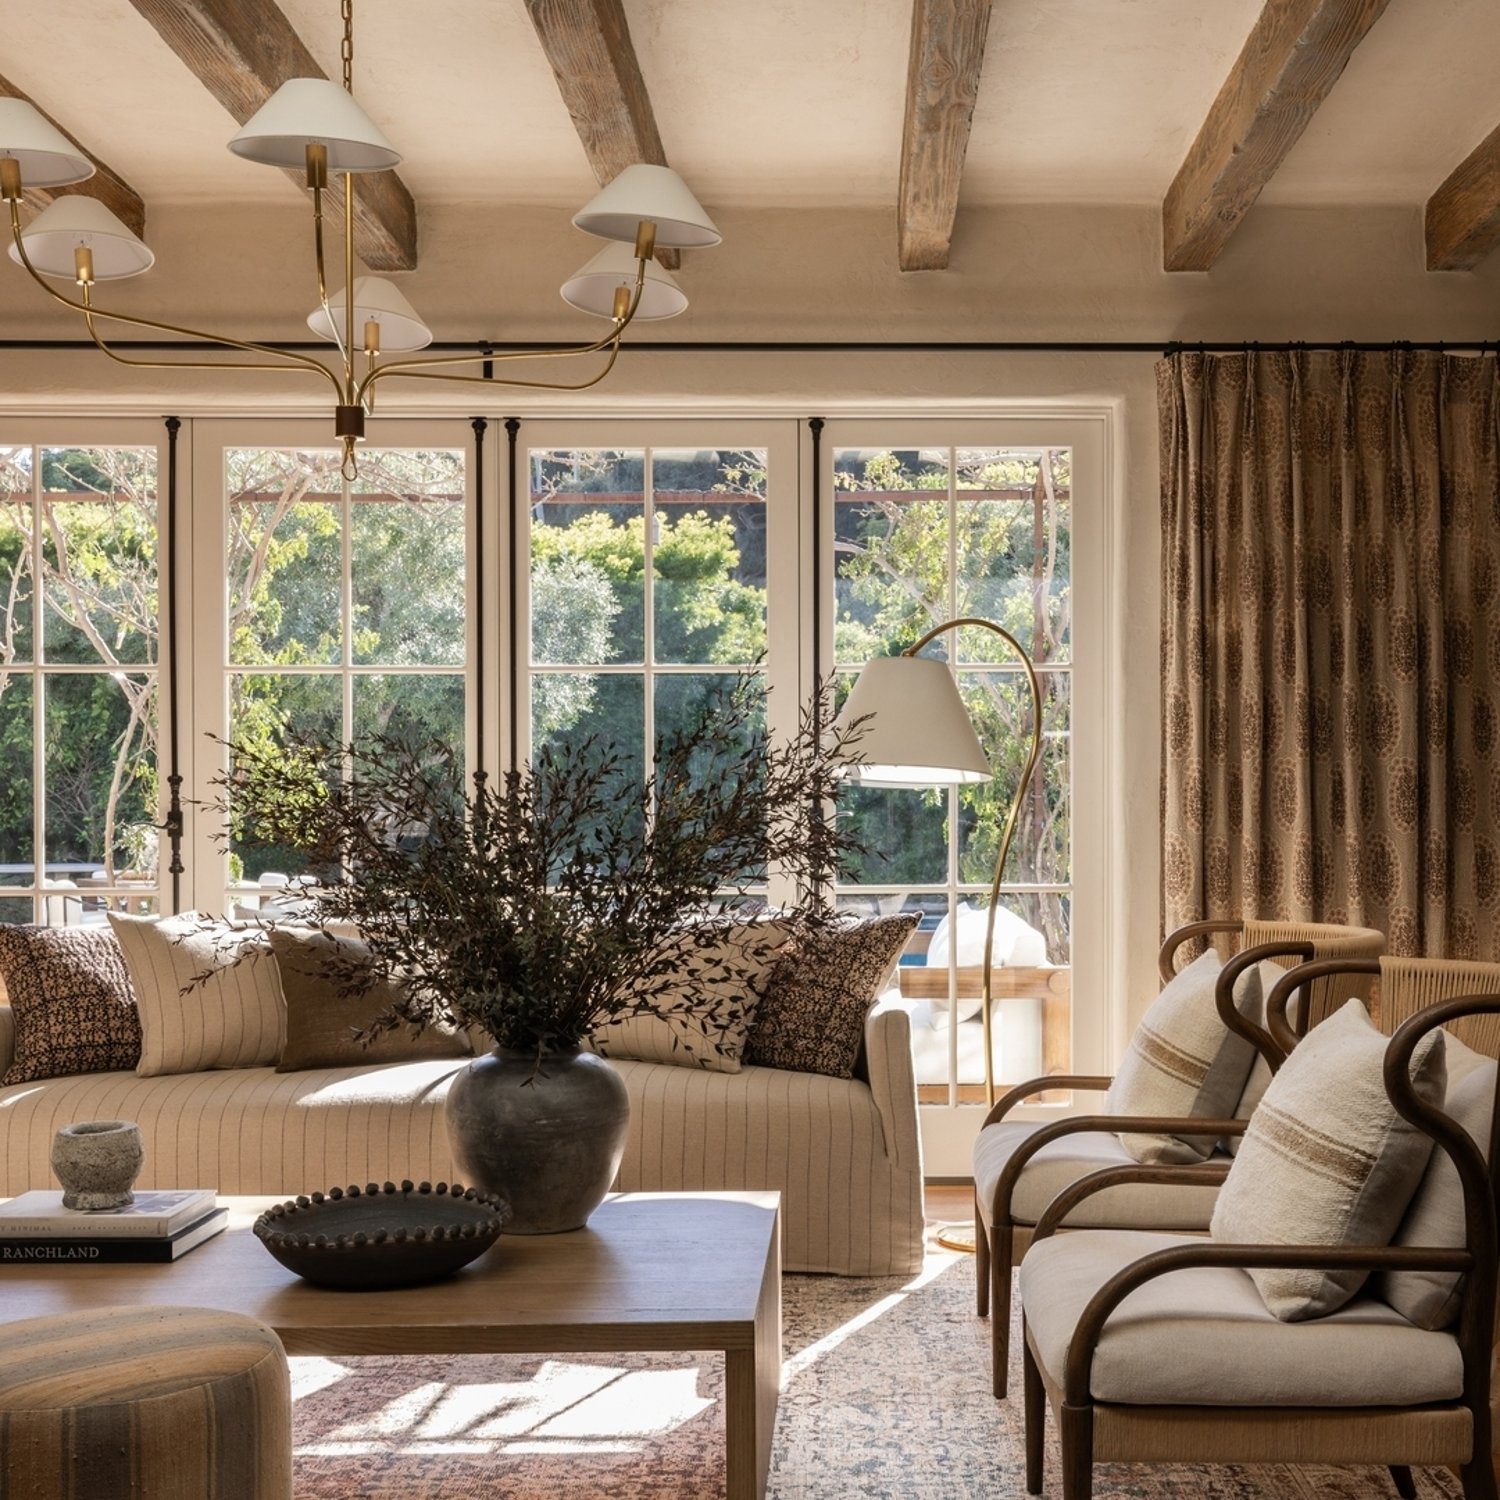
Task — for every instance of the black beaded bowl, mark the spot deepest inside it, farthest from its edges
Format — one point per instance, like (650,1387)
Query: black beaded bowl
(379,1236)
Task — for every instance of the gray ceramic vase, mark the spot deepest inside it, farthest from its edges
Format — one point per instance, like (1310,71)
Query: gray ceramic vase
(97,1162)
(548,1138)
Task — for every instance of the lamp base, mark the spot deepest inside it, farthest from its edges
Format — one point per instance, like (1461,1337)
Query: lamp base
(960,1237)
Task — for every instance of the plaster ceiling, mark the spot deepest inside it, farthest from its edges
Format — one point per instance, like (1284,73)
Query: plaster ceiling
(793,103)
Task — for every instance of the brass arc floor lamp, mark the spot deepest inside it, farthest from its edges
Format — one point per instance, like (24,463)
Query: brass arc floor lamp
(917,733)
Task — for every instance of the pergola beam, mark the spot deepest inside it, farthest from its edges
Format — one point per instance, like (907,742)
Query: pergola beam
(1291,60)
(588,44)
(942,84)
(242,51)
(106,184)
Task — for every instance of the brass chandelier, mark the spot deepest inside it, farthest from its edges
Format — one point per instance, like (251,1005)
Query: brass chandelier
(315,125)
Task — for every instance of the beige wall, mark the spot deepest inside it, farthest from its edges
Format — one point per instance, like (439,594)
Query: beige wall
(1019,273)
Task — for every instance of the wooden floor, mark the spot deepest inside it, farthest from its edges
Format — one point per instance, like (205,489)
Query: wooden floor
(947,1202)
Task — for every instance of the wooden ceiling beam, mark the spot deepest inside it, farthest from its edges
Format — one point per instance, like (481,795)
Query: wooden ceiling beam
(242,51)
(588,44)
(942,84)
(106,184)
(1463,216)
(1291,60)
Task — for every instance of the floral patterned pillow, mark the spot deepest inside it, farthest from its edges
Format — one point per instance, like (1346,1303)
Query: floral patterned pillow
(811,1018)
(71,1000)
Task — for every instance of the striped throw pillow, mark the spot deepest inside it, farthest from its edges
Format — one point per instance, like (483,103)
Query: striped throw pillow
(1327,1160)
(1184,1061)
(206,991)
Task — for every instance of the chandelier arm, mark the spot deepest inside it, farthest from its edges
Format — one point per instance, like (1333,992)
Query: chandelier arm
(406,366)
(287,359)
(1012,816)
(533,385)
(338,337)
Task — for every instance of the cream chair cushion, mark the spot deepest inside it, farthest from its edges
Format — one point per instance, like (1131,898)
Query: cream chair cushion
(1326,1159)
(1203,1337)
(1183,1060)
(1061,1163)
(1435,1220)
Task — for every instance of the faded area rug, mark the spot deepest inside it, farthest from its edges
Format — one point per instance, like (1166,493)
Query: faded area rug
(885,1394)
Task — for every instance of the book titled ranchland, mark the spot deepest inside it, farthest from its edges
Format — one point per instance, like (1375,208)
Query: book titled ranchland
(113,1249)
(156,1214)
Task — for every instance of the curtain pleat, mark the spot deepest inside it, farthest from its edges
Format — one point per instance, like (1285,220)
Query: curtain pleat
(1330,643)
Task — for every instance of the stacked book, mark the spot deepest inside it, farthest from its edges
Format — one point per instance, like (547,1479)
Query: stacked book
(158,1226)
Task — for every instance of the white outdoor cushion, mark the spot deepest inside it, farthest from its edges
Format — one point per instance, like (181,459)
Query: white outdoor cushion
(1061,1163)
(1327,1160)
(1435,1220)
(1183,1061)
(1203,1337)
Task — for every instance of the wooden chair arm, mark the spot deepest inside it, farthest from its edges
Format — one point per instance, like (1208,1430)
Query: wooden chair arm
(1166,959)
(1010,1174)
(1095,1082)
(1078,1376)
(1208,1173)
(1278,1002)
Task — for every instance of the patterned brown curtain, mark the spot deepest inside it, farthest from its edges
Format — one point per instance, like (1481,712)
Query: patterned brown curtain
(1331,643)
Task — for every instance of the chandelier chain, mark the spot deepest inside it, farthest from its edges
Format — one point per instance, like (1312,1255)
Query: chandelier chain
(346,50)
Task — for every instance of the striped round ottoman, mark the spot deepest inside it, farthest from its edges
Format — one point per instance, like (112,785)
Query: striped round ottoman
(151,1403)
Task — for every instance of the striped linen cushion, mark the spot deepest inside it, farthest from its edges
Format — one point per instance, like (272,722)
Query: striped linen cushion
(1326,1159)
(233,1018)
(1184,1061)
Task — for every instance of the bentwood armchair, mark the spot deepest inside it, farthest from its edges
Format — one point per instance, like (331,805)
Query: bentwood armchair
(1021,1166)
(1196,1370)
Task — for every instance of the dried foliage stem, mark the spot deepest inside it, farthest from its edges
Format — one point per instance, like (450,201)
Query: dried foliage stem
(574,894)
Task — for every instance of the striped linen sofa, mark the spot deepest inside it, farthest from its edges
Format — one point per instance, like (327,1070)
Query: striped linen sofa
(844,1153)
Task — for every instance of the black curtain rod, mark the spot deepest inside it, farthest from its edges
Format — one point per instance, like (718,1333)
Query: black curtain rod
(482,347)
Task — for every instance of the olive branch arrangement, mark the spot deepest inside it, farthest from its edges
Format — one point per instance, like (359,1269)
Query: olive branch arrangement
(577,892)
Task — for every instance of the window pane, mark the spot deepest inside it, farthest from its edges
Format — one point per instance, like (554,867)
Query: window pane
(569,707)
(285,556)
(709,554)
(407,557)
(101,786)
(683,700)
(263,708)
(418,709)
(99,554)
(15,554)
(1041,852)
(16,910)
(890,550)
(1014,550)
(588,564)
(17,816)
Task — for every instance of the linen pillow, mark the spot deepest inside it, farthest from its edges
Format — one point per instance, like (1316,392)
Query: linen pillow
(1327,1160)
(1183,1060)
(233,1019)
(71,1003)
(811,1018)
(321,1023)
(735,968)
(1435,1220)
(1271,973)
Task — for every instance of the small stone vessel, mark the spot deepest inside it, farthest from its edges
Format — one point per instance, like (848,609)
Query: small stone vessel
(97,1162)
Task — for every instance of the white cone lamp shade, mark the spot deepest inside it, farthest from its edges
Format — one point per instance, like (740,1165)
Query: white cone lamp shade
(918,732)
(314,111)
(73,220)
(655,193)
(592,289)
(46,156)
(376,300)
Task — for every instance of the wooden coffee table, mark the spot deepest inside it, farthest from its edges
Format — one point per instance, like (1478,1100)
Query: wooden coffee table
(651,1272)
